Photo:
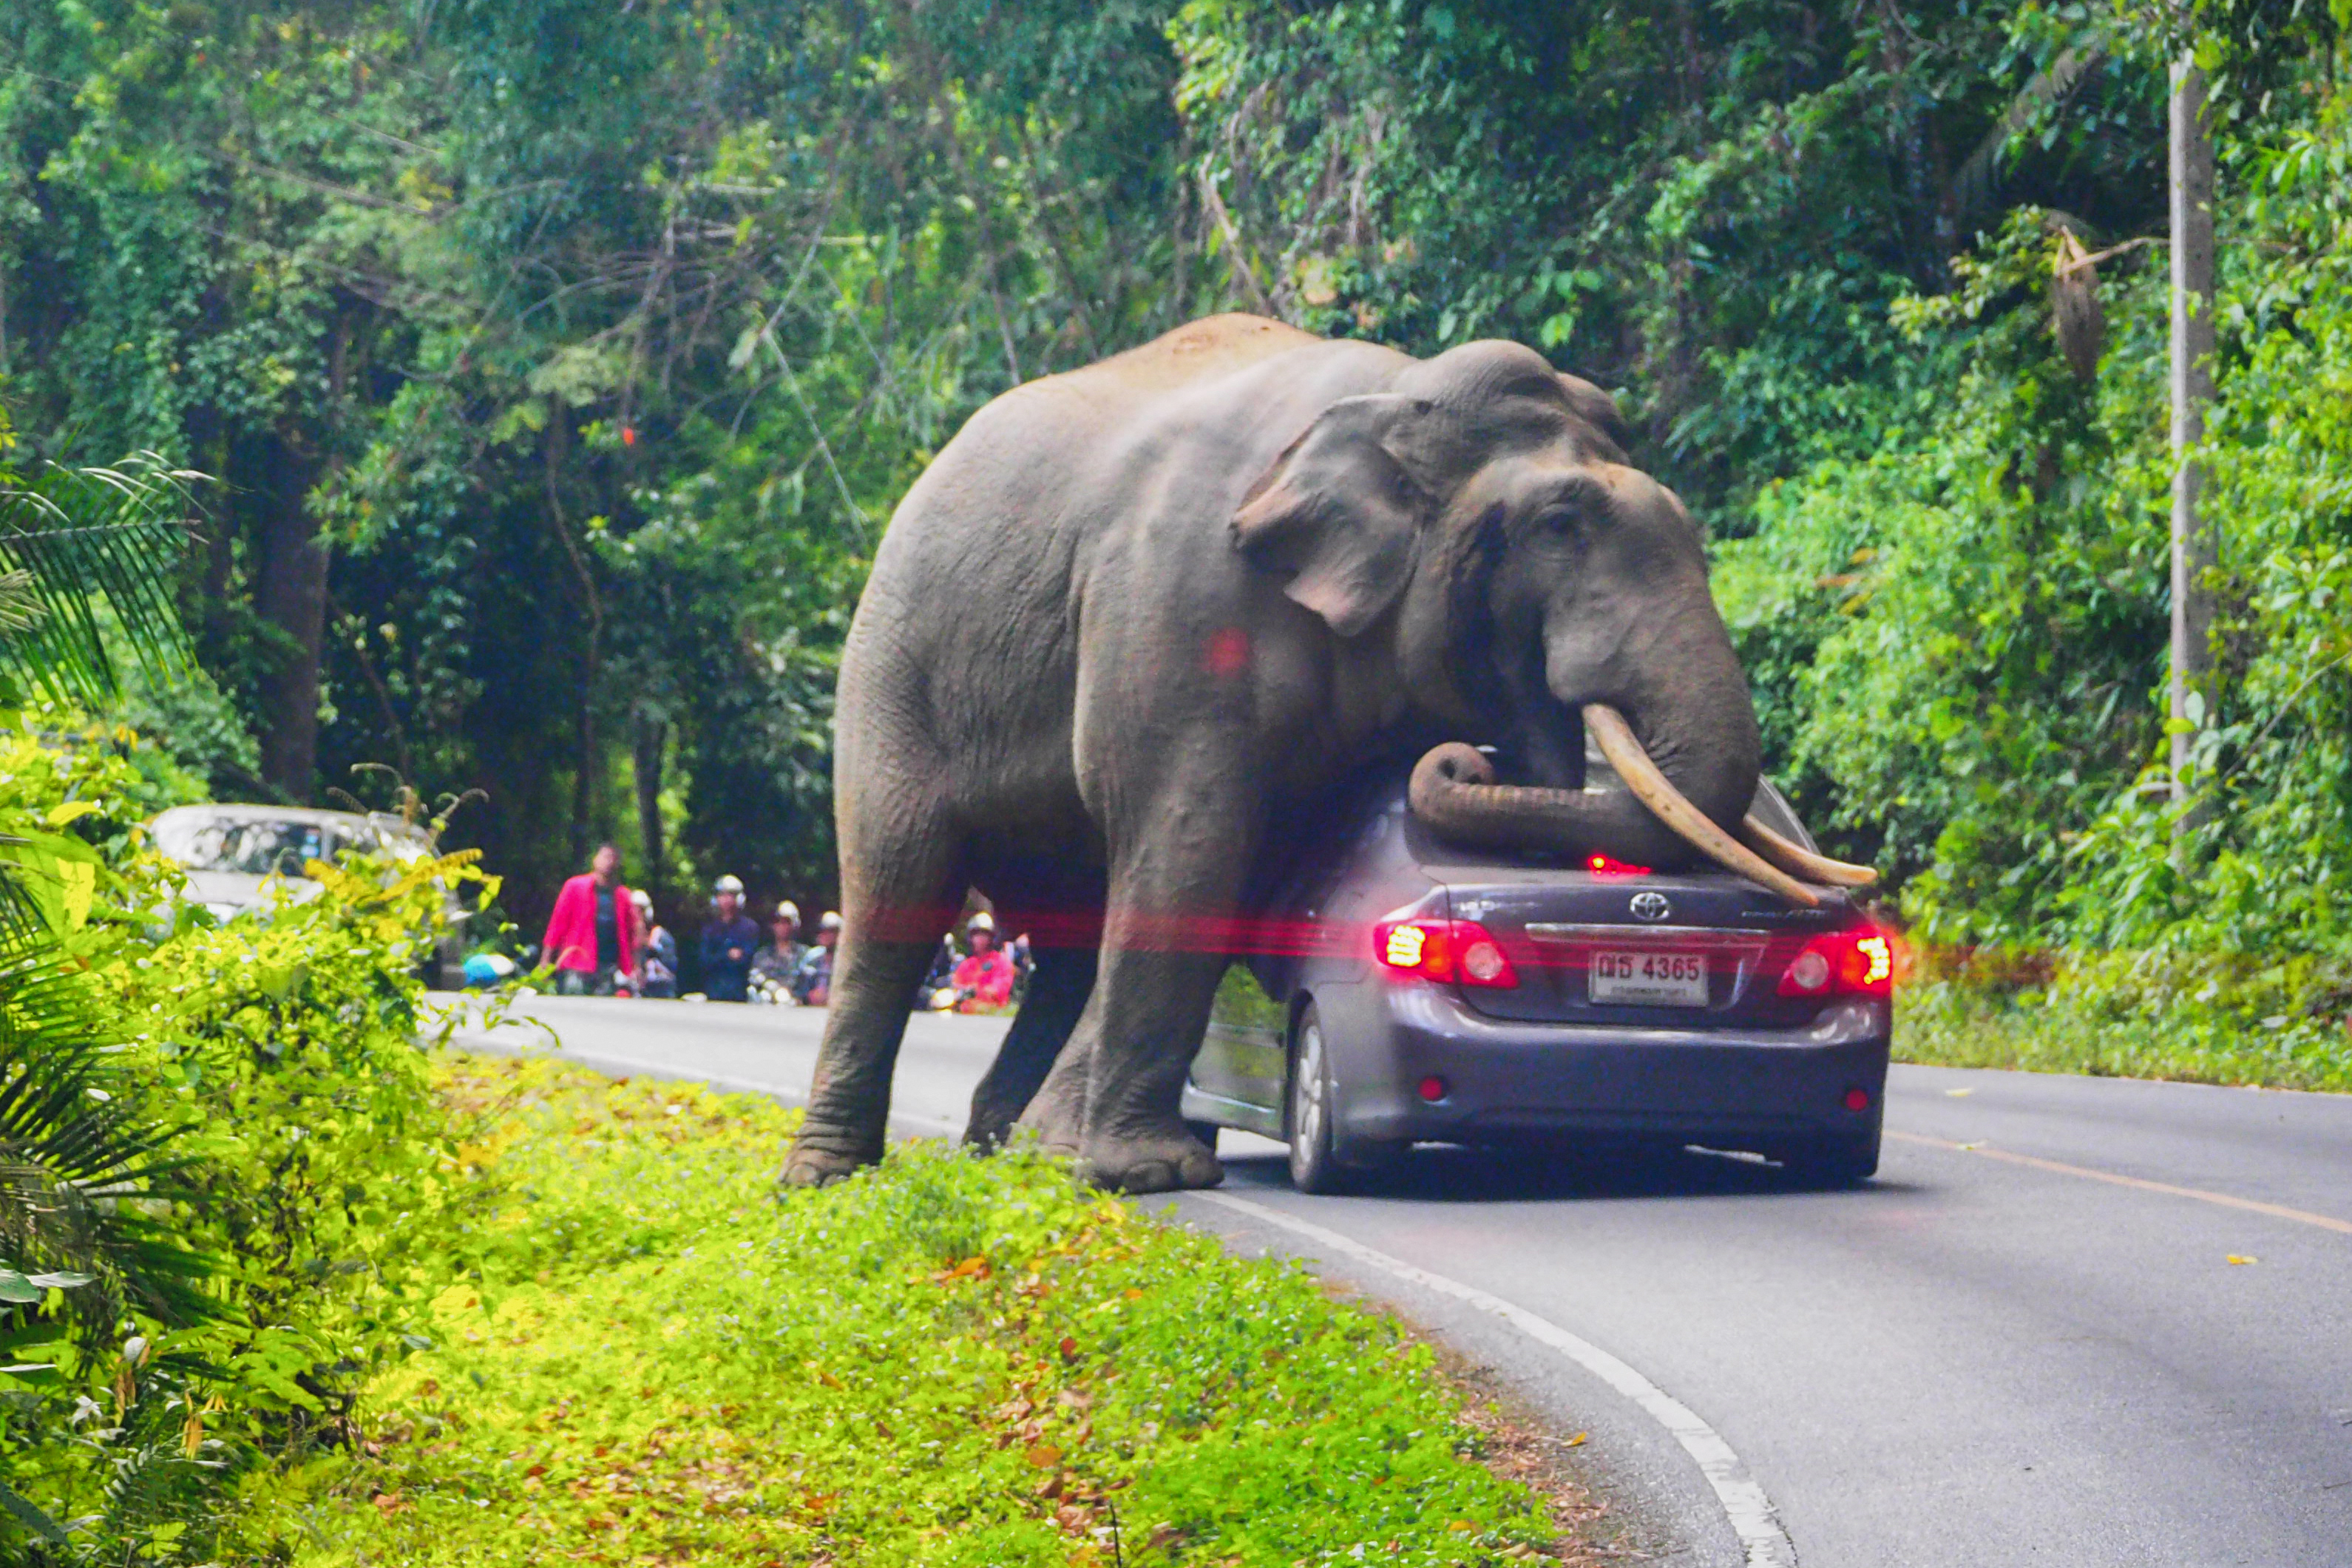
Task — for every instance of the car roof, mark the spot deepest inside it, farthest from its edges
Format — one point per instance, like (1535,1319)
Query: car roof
(243,811)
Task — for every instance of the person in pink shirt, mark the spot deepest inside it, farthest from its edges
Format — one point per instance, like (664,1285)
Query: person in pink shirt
(984,978)
(591,934)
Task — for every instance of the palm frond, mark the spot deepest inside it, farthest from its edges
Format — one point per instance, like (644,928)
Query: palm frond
(71,539)
(86,1178)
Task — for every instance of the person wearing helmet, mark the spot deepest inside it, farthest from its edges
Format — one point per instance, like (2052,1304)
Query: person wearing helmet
(813,981)
(984,978)
(778,959)
(728,941)
(657,951)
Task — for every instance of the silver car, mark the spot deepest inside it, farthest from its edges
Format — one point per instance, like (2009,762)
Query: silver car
(1409,990)
(244,860)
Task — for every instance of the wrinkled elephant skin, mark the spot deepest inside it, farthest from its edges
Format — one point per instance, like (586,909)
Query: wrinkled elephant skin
(1131,612)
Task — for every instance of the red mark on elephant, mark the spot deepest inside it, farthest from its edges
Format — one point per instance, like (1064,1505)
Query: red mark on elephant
(1229,651)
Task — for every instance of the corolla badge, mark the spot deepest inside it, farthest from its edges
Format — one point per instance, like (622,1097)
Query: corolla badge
(1650,907)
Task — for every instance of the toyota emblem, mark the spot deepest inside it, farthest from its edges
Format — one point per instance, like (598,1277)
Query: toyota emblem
(1652,907)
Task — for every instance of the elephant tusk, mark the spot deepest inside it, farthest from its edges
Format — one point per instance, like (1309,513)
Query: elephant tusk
(1668,804)
(1799,861)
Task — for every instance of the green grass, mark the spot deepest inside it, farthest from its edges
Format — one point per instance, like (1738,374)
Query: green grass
(2072,1023)
(636,1352)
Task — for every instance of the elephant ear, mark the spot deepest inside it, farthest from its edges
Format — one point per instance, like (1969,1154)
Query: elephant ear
(1341,512)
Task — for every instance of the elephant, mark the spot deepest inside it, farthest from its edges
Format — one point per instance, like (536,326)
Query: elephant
(1132,616)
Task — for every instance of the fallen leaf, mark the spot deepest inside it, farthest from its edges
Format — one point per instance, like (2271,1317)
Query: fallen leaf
(1971,1145)
(1578,1441)
(1069,1348)
(2234,1257)
(1956,1094)
(1045,1455)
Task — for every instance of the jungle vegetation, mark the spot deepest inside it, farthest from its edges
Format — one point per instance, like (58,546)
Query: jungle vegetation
(558,363)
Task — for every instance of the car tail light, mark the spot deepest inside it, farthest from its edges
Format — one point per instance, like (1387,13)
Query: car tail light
(1444,950)
(1609,865)
(1855,962)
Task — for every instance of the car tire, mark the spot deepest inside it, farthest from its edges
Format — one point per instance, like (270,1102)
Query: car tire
(1833,1159)
(1308,1115)
(1321,1160)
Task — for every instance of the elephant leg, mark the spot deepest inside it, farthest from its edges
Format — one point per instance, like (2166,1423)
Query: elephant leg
(1058,988)
(1113,1099)
(894,908)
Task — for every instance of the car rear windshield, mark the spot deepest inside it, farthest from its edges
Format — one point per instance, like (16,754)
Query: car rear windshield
(256,848)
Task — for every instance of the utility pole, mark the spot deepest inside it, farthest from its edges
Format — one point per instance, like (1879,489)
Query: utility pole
(2192,389)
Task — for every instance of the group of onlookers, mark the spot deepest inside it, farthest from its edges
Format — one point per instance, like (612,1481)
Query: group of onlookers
(604,940)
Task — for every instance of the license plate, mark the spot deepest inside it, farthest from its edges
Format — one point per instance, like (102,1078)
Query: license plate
(1650,979)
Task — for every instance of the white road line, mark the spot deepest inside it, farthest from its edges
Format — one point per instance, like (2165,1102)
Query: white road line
(1751,1514)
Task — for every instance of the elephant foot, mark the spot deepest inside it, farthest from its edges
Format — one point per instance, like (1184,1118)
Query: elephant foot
(992,1130)
(1171,1161)
(821,1164)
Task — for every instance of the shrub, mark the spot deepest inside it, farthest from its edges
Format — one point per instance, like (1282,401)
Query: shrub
(265,1099)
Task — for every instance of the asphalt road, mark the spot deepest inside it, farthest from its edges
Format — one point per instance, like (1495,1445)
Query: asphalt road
(2074,1321)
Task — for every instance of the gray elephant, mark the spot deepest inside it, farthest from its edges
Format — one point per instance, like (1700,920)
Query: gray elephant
(1133,615)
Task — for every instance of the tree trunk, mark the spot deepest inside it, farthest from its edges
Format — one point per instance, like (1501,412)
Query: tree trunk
(291,595)
(2193,554)
(651,736)
(584,776)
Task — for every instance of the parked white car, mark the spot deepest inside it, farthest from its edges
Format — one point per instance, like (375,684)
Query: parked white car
(245,859)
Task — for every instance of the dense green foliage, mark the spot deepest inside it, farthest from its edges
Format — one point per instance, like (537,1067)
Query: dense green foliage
(638,1355)
(212,1137)
(598,343)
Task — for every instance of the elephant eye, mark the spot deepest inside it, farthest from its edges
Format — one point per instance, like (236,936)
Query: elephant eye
(1562,520)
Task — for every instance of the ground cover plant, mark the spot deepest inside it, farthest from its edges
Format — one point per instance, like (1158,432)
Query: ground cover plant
(639,1354)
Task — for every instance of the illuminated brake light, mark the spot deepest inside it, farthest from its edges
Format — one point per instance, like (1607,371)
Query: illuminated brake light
(1858,962)
(1460,950)
(1609,865)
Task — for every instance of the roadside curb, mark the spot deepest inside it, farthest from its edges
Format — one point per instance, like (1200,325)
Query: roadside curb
(619,1066)
(1726,1516)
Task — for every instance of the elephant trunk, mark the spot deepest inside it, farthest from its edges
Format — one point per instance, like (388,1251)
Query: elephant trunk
(1650,820)
(1689,775)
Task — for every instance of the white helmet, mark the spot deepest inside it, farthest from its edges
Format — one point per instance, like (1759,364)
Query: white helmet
(982,920)
(733,884)
(789,911)
(829,921)
(642,899)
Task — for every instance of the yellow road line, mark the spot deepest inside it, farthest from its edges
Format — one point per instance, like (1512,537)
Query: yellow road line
(2276,1211)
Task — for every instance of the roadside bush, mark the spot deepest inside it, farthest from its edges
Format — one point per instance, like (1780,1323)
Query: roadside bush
(1959,648)
(279,1140)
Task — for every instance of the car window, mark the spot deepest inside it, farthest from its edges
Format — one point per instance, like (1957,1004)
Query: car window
(1771,807)
(254,847)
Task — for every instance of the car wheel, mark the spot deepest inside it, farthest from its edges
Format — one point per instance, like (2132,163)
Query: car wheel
(1313,1152)
(1320,1161)
(1834,1159)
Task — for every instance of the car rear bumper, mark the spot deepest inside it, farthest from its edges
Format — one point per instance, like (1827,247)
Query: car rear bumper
(1505,1081)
